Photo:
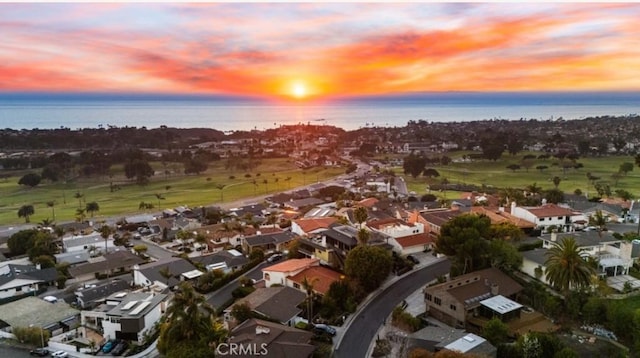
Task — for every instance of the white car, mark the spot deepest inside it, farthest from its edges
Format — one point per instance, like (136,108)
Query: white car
(60,354)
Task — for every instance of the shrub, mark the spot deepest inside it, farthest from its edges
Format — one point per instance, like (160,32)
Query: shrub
(32,335)
(404,320)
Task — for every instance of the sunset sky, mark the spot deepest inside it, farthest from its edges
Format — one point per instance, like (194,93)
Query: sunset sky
(316,50)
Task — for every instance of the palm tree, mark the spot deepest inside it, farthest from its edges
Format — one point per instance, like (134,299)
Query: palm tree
(556,181)
(78,196)
(25,212)
(599,221)
(105,232)
(266,186)
(361,215)
(221,187)
(363,236)
(52,204)
(80,215)
(565,267)
(307,285)
(45,223)
(92,208)
(159,197)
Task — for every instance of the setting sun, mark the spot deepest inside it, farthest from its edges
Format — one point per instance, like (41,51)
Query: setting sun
(299,90)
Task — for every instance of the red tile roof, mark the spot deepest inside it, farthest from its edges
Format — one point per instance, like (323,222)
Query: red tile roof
(367,203)
(308,225)
(292,265)
(382,223)
(414,240)
(319,276)
(498,217)
(549,210)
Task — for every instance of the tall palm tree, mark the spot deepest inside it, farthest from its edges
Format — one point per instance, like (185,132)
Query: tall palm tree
(599,221)
(25,212)
(78,196)
(52,205)
(308,285)
(565,267)
(80,215)
(363,236)
(92,208)
(361,215)
(221,188)
(105,232)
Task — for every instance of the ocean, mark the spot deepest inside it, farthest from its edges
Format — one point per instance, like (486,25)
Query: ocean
(47,111)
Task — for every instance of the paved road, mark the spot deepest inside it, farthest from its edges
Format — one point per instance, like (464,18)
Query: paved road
(12,352)
(217,298)
(358,337)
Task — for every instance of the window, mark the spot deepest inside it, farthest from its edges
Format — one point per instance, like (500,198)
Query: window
(296,285)
(453,307)
(428,296)
(560,217)
(437,300)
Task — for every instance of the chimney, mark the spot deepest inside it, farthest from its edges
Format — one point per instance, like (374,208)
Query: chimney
(495,289)
(262,330)
(324,241)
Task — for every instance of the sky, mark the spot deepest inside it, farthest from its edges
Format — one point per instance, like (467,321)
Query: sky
(316,50)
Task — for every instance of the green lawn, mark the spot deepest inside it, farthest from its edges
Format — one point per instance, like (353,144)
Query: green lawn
(184,190)
(496,174)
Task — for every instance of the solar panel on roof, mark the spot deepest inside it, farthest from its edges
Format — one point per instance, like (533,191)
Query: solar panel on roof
(140,307)
(129,305)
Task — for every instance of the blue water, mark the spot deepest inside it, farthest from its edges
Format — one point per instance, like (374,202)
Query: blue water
(45,111)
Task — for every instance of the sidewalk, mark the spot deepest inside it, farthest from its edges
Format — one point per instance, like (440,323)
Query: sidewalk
(425,260)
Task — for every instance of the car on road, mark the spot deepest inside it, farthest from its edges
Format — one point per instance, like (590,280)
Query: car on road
(323,328)
(108,347)
(119,349)
(275,258)
(59,354)
(40,352)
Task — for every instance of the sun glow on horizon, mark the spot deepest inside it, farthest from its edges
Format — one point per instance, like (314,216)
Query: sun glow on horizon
(299,90)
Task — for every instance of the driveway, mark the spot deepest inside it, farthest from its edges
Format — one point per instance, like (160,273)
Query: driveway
(219,297)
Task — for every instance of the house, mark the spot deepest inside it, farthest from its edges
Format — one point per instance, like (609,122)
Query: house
(433,219)
(126,315)
(437,338)
(108,264)
(406,238)
(308,226)
(614,256)
(278,273)
(226,260)
(139,219)
(90,297)
(319,277)
(278,303)
(17,280)
(452,301)
(498,215)
(55,317)
(302,203)
(73,258)
(322,211)
(92,242)
(268,242)
(545,216)
(270,338)
(151,274)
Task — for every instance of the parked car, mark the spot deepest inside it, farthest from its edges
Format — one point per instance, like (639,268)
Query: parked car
(108,347)
(275,258)
(119,349)
(323,328)
(40,352)
(413,259)
(60,354)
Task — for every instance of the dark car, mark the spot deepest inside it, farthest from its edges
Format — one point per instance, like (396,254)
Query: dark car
(119,349)
(40,352)
(324,329)
(413,259)
(275,258)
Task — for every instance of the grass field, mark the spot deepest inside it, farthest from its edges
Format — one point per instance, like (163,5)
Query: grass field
(497,175)
(183,190)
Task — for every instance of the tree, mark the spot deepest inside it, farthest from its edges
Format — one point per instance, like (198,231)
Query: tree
(430,173)
(363,236)
(307,286)
(504,256)
(361,215)
(566,269)
(78,196)
(221,188)
(190,329)
(92,208)
(166,273)
(105,232)
(625,168)
(599,221)
(495,331)
(464,239)
(556,181)
(414,164)
(140,249)
(159,197)
(554,196)
(138,169)
(241,312)
(513,167)
(25,212)
(368,266)
(542,168)
(506,231)
(31,180)
(52,205)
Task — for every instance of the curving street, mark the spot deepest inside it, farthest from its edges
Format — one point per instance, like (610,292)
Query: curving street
(356,340)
